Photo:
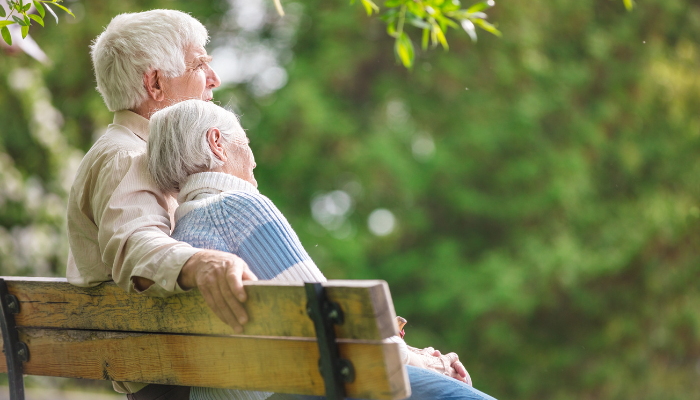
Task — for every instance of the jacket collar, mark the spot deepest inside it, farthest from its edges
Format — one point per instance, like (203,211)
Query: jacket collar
(133,122)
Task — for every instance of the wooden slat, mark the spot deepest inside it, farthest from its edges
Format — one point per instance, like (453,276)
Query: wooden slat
(279,365)
(274,308)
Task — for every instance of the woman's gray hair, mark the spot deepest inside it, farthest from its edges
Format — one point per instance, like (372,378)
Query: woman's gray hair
(177,141)
(132,44)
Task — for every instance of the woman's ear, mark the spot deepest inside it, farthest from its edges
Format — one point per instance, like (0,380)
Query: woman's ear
(152,83)
(215,143)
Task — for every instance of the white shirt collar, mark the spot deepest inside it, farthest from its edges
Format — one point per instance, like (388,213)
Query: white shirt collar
(205,184)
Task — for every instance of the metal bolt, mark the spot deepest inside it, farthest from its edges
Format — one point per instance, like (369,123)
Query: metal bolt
(345,371)
(20,353)
(11,304)
(333,314)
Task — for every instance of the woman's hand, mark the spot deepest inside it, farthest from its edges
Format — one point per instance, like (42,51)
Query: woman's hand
(456,369)
(445,364)
(432,359)
(462,372)
(457,366)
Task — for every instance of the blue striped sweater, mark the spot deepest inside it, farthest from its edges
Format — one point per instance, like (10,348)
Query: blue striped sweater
(222,212)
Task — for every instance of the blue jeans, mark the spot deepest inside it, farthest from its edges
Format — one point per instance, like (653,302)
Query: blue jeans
(425,385)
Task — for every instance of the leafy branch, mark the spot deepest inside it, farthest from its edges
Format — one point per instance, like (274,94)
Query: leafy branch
(434,18)
(18,12)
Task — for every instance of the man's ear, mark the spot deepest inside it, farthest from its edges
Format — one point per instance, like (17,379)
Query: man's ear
(151,81)
(215,143)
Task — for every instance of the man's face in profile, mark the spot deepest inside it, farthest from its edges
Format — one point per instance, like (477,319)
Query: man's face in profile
(197,82)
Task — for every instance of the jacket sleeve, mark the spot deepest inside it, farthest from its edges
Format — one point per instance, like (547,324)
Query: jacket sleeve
(134,226)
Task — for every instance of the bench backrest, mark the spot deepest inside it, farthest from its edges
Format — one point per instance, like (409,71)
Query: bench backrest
(104,333)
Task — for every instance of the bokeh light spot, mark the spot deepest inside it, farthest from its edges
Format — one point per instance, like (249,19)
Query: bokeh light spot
(381,222)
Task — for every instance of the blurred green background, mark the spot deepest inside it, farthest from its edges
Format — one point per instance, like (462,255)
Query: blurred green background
(532,200)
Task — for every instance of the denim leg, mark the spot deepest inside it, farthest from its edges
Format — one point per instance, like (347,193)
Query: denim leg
(429,385)
(425,385)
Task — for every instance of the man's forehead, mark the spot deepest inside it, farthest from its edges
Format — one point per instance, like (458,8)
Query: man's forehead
(194,52)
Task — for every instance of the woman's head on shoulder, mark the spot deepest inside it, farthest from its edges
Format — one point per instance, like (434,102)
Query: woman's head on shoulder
(197,136)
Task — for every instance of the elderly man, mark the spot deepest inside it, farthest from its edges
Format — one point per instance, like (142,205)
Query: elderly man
(118,221)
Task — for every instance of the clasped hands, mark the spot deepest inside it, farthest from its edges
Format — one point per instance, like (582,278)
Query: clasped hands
(446,364)
(432,359)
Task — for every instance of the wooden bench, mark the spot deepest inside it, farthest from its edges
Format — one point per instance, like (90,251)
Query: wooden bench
(52,328)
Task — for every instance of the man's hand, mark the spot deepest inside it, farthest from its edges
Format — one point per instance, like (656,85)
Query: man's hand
(219,277)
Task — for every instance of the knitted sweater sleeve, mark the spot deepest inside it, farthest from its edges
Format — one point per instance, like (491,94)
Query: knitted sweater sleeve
(256,231)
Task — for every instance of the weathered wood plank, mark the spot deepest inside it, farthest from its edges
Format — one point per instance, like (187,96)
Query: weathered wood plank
(248,363)
(274,308)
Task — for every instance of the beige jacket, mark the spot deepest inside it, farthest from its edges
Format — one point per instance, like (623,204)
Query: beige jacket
(119,223)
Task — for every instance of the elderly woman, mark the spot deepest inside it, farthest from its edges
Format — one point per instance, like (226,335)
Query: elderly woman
(200,150)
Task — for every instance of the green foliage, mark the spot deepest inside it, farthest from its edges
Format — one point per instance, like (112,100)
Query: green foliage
(6,35)
(433,18)
(23,18)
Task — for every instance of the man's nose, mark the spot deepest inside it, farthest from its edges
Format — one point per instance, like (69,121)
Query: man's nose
(213,80)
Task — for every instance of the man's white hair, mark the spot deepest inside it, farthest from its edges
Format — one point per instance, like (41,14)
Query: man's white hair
(177,141)
(135,43)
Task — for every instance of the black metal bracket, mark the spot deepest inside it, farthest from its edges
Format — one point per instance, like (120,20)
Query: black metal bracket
(335,370)
(16,352)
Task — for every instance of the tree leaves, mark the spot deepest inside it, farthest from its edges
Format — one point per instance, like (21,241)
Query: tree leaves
(404,49)
(370,6)
(434,18)
(52,12)
(37,19)
(19,20)
(6,35)
(487,27)
(19,13)
(481,6)
(39,8)
(468,27)
(63,8)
